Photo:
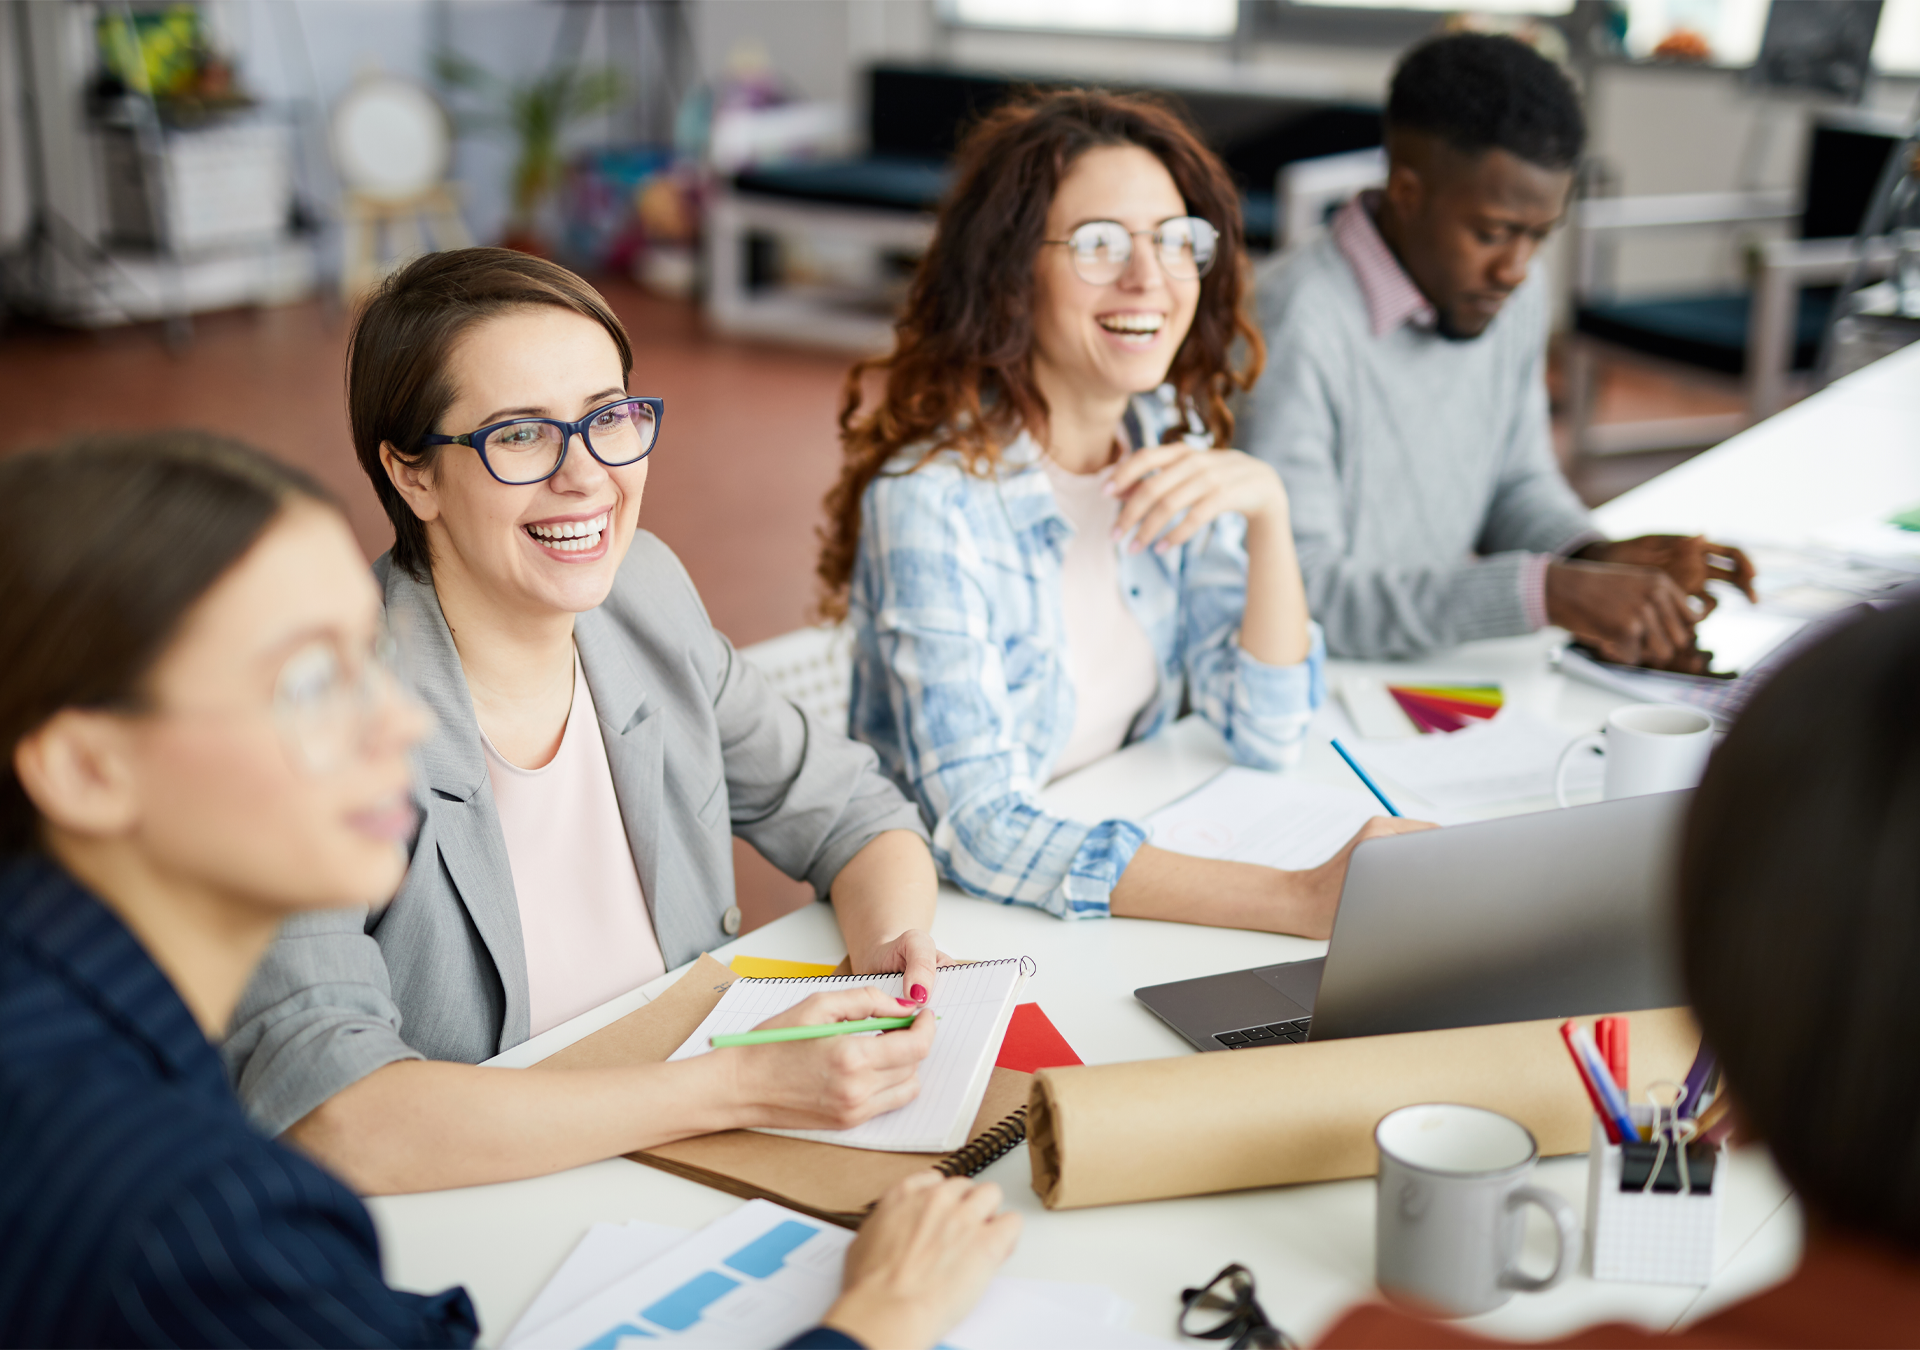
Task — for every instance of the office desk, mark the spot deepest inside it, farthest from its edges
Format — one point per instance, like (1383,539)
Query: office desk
(1843,454)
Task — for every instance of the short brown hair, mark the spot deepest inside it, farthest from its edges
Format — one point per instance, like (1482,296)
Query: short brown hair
(397,385)
(960,375)
(106,543)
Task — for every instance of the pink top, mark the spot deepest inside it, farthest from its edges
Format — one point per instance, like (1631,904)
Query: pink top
(1114,670)
(583,920)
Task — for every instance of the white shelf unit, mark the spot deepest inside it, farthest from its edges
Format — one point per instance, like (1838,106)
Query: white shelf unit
(102,254)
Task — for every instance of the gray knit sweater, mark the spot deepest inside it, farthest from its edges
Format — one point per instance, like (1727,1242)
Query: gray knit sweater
(1420,471)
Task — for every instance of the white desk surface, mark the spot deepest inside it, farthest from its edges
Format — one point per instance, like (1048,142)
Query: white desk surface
(1844,454)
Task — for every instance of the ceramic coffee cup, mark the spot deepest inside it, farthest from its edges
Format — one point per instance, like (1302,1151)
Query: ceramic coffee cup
(1650,747)
(1453,1188)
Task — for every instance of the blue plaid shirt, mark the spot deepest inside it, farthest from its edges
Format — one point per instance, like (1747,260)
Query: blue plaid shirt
(960,680)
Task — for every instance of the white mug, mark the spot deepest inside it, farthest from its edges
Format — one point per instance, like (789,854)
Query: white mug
(1651,747)
(1450,1222)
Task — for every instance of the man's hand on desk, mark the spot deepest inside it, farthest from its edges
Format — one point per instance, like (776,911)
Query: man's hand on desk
(1631,615)
(1691,560)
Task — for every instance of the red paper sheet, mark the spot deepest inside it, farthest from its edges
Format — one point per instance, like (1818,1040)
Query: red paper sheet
(1033,1042)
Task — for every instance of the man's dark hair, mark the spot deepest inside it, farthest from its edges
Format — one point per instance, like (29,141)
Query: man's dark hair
(1800,922)
(1480,92)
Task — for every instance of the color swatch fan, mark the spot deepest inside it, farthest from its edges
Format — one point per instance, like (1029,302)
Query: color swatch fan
(1446,707)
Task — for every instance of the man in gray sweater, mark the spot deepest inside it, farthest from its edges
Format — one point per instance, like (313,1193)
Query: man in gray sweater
(1405,405)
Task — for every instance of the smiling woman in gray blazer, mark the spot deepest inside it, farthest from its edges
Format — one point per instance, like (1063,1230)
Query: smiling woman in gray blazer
(598,744)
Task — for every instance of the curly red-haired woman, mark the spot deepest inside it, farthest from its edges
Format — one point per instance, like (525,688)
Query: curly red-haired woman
(1041,551)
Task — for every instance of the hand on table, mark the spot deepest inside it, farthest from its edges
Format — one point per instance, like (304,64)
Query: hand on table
(922,1260)
(1322,884)
(1156,484)
(1691,560)
(834,1082)
(1630,615)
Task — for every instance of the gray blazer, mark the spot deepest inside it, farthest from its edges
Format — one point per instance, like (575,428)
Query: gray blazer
(701,748)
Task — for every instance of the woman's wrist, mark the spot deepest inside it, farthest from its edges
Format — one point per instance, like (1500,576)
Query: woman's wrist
(717,1096)
(1271,528)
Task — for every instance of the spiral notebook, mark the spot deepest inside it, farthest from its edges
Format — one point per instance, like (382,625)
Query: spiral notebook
(972,1004)
(830,1181)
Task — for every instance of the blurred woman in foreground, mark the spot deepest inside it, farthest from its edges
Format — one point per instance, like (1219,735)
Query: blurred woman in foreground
(203,738)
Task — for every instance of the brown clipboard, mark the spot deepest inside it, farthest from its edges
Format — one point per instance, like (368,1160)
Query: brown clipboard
(827,1181)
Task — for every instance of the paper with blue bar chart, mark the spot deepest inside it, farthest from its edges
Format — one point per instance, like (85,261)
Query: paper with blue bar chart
(756,1277)
(764,1274)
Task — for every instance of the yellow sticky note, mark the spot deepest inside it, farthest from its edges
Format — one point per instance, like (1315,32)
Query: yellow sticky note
(767,968)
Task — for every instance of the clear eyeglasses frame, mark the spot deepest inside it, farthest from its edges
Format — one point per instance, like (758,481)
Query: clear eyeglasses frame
(326,702)
(527,450)
(1224,1309)
(1100,250)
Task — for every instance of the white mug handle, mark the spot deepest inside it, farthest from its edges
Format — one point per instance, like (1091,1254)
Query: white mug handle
(1566,1254)
(1596,741)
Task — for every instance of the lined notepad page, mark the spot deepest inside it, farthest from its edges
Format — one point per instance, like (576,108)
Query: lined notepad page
(973,1002)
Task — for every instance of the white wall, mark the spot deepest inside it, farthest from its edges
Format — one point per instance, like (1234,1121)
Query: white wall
(14,191)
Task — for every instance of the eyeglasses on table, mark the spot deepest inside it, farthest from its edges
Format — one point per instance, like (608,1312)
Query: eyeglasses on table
(1224,1309)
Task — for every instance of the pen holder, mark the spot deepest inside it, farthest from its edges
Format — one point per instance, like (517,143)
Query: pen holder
(1664,1235)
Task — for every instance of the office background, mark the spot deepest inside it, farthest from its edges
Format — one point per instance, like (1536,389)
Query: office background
(177,237)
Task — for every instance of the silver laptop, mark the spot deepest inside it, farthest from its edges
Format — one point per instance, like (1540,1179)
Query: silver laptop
(1557,914)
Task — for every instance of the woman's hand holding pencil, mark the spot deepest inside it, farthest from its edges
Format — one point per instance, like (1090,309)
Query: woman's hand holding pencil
(826,1082)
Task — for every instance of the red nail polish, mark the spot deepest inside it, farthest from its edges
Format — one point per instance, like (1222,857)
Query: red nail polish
(906,1002)
(919,992)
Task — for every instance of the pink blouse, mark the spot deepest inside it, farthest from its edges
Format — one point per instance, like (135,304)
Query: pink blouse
(583,921)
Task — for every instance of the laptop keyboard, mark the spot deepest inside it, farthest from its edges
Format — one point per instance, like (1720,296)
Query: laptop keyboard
(1276,1033)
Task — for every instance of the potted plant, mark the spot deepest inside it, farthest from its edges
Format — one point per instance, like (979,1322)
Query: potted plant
(537,112)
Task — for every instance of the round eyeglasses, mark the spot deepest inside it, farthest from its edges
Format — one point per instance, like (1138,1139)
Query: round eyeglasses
(1101,249)
(326,700)
(1226,1310)
(532,449)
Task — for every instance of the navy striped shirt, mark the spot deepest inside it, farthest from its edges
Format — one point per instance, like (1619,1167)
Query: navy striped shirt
(137,1205)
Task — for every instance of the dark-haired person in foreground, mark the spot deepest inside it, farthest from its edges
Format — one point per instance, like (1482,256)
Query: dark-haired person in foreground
(203,739)
(1040,538)
(1405,403)
(1800,944)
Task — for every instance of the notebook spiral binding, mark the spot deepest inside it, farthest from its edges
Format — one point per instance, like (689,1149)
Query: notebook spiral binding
(1027,964)
(991,1146)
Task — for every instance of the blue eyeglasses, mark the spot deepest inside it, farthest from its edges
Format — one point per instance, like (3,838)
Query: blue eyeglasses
(532,449)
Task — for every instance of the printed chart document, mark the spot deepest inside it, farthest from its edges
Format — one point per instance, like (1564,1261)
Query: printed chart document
(1510,759)
(764,1274)
(1244,815)
(973,1003)
(606,1255)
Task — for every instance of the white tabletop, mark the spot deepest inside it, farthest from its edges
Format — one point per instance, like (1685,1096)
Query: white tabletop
(1843,455)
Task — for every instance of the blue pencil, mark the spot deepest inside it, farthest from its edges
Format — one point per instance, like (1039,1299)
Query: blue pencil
(1372,786)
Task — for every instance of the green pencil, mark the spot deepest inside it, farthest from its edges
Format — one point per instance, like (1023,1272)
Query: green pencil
(772,1034)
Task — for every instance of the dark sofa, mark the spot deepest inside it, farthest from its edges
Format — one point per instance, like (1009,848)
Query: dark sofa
(916,115)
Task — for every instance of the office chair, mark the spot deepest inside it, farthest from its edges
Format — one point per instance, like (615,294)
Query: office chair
(1757,340)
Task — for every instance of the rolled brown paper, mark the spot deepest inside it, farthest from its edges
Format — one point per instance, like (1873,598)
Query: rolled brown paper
(1109,1134)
